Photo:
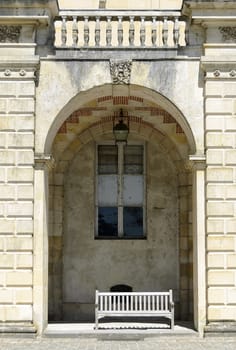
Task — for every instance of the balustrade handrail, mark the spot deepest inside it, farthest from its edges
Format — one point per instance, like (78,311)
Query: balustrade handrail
(115,13)
(121,28)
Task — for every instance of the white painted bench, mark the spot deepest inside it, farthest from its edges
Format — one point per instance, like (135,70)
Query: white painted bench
(132,304)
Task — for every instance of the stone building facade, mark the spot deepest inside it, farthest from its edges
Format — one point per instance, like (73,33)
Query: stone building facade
(67,70)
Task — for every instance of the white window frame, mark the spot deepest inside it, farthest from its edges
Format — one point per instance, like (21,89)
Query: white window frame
(120,205)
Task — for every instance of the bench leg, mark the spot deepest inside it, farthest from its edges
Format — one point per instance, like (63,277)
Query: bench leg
(96,324)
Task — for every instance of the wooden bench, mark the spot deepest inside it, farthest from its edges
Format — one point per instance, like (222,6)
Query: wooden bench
(116,304)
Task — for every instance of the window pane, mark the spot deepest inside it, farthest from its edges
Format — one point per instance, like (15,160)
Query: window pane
(133,189)
(107,190)
(107,159)
(107,221)
(133,221)
(133,160)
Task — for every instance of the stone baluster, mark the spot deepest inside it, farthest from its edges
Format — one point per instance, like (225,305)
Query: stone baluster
(186,32)
(176,31)
(63,31)
(165,31)
(75,31)
(131,31)
(108,31)
(154,31)
(97,31)
(142,31)
(86,31)
(120,31)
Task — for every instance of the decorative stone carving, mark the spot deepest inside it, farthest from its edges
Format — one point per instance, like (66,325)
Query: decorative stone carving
(22,72)
(120,71)
(7,72)
(9,34)
(228,33)
(216,73)
(232,73)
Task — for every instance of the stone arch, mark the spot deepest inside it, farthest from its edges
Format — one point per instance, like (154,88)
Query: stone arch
(109,90)
(147,132)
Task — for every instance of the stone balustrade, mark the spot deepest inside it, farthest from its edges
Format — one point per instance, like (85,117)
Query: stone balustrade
(119,29)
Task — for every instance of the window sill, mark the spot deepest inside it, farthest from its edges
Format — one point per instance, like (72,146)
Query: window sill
(120,238)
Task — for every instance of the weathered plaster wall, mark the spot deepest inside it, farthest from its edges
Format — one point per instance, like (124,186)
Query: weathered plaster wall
(89,264)
(65,86)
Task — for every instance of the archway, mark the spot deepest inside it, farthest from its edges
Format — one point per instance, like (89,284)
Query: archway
(76,138)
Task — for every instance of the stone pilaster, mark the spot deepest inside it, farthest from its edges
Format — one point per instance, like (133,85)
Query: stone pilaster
(43,163)
(199,242)
(220,125)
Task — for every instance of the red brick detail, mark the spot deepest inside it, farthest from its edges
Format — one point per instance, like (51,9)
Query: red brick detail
(62,129)
(104,98)
(120,100)
(136,98)
(159,112)
(168,119)
(145,109)
(179,130)
(73,118)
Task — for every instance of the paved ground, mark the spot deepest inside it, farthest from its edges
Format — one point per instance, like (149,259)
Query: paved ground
(152,343)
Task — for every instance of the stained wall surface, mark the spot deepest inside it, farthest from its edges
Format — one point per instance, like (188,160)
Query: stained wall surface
(88,264)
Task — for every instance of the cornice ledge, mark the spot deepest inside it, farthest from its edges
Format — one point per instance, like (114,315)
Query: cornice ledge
(25,20)
(44,161)
(197,161)
(225,63)
(19,61)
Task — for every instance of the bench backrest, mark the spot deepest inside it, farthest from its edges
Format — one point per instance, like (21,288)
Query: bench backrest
(134,301)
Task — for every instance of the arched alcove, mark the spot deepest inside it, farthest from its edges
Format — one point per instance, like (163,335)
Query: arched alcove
(74,148)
